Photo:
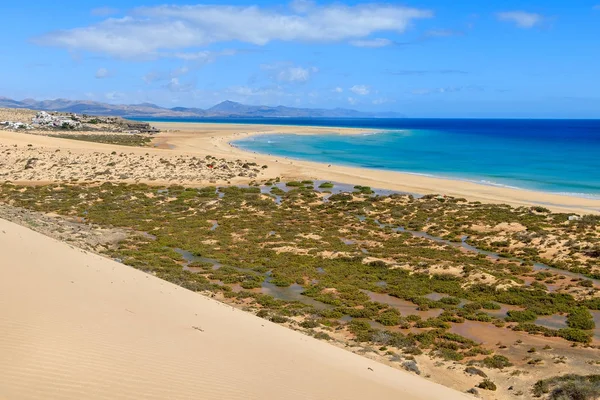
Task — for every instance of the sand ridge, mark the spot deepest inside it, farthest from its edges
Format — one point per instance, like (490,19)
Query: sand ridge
(76,325)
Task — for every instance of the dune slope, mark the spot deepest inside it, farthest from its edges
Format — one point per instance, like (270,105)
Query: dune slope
(75,325)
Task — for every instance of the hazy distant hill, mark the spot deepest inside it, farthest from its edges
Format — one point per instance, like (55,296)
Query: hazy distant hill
(224,110)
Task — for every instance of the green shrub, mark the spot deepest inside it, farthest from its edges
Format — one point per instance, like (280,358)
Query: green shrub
(294,184)
(309,323)
(586,283)
(279,319)
(363,189)
(569,387)
(322,336)
(487,385)
(389,317)
(496,361)
(581,318)
(575,335)
(490,305)
(450,354)
(520,316)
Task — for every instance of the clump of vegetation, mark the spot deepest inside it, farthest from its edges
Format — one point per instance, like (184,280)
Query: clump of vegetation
(581,318)
(326,185)
(496,361)
(521,316)
(279,319)
(122,140)
(569,387)
(487,385)
(363,189)
(575,335)
(411,366)
(294,184)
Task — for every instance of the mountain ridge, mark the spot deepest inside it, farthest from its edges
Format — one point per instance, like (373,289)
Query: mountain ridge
(225,109)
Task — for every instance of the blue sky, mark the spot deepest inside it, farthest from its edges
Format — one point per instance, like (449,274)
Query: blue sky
(422,58)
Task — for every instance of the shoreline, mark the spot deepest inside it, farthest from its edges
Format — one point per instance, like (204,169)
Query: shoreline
(217,138)
(482,181)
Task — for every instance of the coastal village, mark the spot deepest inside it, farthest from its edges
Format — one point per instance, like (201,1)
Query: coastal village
(43,122)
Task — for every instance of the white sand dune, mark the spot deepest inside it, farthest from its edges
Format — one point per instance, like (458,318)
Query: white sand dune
(74,325)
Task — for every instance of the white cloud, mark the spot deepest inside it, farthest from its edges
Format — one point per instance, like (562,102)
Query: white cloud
(296,74)
(352,100)
(521,18)
(245,92)
(338,90)
(202,57)
(104,11)
(374,43)
(287,72)
(449,89)
(175,85)
(147,31)
(360,90)
(102,73)
(114,95)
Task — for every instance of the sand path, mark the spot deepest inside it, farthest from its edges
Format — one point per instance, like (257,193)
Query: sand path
(74,325)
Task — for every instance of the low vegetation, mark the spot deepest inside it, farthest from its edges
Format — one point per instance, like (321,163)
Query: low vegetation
(121,139)
(569,387)
(394,272)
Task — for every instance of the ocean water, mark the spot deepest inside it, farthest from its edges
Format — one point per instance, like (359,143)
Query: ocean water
(560,156)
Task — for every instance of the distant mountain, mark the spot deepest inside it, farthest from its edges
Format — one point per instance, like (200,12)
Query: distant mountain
(226,109)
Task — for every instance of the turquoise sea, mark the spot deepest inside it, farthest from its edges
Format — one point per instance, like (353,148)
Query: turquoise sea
(561,156)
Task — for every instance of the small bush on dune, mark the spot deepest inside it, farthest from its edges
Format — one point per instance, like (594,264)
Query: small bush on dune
(487,385)
(411,366)
(569,387)
(309,323)
(278,319)
(496,361)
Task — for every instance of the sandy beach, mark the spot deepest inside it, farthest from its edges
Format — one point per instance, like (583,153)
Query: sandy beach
(178,156)
(215,139)
(76,325)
